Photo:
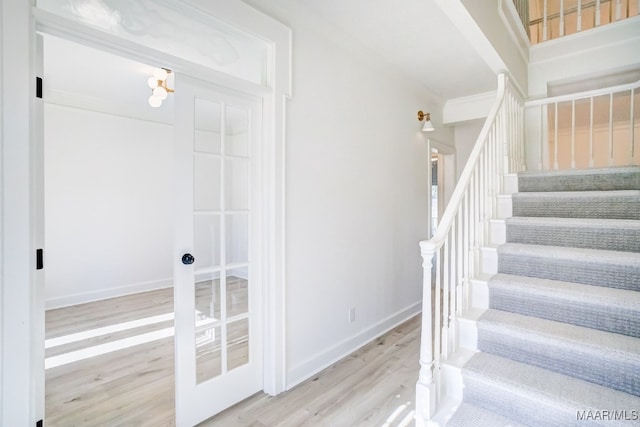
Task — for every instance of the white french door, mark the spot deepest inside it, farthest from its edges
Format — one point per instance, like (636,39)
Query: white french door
(217,249)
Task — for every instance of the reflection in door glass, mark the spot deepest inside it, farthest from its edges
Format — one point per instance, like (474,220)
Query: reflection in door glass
(237,292)
(208,354)
(238,344)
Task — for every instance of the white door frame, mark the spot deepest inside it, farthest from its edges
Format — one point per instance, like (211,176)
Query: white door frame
(21,324)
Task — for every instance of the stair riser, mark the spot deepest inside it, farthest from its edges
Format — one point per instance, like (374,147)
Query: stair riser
(608,239)
(577,271)
(598,366)
(566,206)
(590,315)
(629,180)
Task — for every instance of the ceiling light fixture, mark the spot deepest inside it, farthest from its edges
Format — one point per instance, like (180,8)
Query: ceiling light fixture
(158,85)
(428,126)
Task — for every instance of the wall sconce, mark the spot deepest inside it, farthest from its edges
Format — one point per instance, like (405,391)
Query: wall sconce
(158,85)
(428,126)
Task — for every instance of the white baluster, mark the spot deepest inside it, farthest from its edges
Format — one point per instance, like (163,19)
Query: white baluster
(573,134)
(459,284)
(579,17)
(445,300)
(555,137)
(596,16)
(610,129)
(561,17)
(544,21)
(426,387)
(618,9)
(543,137)
(631,128)
(591,160)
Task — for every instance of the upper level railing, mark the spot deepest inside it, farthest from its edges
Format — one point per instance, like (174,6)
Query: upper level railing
(595,128)
(550,19)
(451,257)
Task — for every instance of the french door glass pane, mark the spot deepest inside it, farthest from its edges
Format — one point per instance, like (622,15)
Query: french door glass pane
(207,176)
(208,116)
(237,184)
(237,344)
(208,354)
(207,240)
(237,238)
(237,131)
(237,292)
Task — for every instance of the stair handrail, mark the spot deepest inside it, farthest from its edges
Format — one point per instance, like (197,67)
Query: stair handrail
(582,95)
(450,211)
(453,249)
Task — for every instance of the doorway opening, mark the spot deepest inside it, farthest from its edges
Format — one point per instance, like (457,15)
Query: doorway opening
(109,346)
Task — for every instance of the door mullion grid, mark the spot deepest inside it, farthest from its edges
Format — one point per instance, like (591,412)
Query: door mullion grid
(223,237)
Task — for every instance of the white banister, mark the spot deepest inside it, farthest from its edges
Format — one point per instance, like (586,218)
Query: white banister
(579,17)
(454,250)
(561,18)
(569,133)
(544,21)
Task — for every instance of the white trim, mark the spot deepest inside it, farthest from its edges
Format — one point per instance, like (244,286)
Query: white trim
(84,297)
(468,107)
(20,406)
(509,15)
(320,361)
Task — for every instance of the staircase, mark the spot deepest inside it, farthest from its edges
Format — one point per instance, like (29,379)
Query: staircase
(560,342)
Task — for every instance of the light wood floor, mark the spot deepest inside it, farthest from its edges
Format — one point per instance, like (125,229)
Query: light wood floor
(374,386)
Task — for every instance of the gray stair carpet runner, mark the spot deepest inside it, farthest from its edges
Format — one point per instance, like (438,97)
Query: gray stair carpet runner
(560,342)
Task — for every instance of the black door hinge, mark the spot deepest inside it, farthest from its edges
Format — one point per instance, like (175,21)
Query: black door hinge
(39,423)
(38,87)
(39,260)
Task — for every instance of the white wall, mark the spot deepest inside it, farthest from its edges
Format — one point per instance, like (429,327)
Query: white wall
(598,52)
(356,196)
(466,134)
(108,205)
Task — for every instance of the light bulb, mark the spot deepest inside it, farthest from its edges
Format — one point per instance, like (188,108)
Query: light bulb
(152,82)
(160,92)
(154,101)
(160,74)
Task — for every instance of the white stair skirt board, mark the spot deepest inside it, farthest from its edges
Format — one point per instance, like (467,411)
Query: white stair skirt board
(497,232)
(451,372)
(504,206)
(510,183)
(488,260)
(480,292)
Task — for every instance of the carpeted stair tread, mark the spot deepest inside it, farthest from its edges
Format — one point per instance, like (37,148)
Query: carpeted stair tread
(594,233)
(600,179)
(470,415)
(604,358)
(622,204)
(539,397)
(596,307)
(596,267)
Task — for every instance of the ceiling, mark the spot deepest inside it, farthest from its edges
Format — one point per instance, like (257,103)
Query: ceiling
(413,36)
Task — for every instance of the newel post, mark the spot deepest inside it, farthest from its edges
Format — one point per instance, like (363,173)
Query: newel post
(426,386)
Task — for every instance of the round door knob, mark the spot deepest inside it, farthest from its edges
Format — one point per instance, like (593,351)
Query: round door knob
(187,259)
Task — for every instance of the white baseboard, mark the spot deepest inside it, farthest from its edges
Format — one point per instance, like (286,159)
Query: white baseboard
(317,363)
(79,298)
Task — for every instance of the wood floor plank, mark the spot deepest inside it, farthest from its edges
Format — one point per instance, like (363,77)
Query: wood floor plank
(135,386)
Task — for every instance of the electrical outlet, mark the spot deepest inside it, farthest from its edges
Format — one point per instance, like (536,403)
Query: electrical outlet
(352,314)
